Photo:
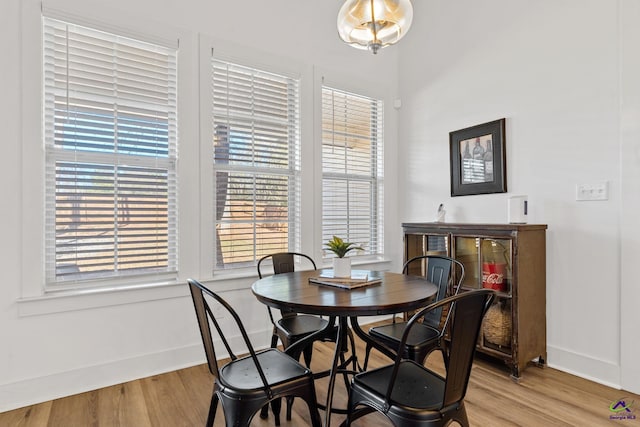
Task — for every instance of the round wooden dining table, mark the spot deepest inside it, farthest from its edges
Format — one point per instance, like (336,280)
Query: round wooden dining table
(293,292)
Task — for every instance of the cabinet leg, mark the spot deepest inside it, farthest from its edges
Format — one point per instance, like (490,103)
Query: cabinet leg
(515,374)
(541,362)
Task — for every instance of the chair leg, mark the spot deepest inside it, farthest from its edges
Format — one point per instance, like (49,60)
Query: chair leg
(274,340)
(352,342)
(307,353)
(311,400)
(276,404)
(212,410)
(289,406)
(445,355)
(461,416)
(366,356)
(264,412)
(316,421)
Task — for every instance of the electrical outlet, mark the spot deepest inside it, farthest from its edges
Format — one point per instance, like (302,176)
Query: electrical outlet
(591,192)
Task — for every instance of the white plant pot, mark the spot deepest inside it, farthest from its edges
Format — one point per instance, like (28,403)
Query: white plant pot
(342,267)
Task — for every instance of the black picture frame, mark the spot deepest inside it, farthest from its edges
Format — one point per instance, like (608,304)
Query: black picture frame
(478,159)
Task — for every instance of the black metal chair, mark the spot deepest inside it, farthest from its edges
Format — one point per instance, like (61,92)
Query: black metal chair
(246,384)
(292,327)
(427,336)
(409,394)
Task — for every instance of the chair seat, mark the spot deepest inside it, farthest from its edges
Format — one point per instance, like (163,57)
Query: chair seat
(391,334)
(241,374)
(415,385)
(301,325)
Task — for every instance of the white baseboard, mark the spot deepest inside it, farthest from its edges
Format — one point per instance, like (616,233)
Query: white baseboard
(42,389)
(597,370)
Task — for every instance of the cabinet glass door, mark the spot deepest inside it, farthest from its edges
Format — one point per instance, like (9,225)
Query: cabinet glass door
(487,262)
(497,327)
(496,264)
(424,244)
(467,251)
(496,273)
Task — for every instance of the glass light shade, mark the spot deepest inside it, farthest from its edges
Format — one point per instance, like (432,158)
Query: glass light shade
(374,24)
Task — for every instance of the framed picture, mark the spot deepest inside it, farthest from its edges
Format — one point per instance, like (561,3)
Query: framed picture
(478,159)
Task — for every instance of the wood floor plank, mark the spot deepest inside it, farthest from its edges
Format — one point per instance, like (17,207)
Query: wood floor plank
(79,409)
(123,405)
(543,397)
(168,403)
(198,384)
(29,416)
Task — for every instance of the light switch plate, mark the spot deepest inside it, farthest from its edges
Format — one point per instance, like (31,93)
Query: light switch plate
(592,192)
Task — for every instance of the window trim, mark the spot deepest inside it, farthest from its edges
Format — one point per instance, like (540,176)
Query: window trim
(32,169)
(253,161)
(252,58)
(56,156)
(361,86)
(374,177)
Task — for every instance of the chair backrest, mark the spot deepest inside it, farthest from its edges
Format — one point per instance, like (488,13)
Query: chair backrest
(202,298)
(283,262)
(439,272)
(468,310)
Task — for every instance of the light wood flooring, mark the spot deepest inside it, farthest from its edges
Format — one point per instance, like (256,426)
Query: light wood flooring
(543,397)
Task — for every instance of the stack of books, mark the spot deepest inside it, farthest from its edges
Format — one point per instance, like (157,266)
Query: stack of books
(358,279)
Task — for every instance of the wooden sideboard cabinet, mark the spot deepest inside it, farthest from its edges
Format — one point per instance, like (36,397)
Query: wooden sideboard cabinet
(509,258)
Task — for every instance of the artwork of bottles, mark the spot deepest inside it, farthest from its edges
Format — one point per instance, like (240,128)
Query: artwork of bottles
(488,163)
(477,162)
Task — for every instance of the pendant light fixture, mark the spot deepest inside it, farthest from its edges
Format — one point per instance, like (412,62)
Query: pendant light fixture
(374,24)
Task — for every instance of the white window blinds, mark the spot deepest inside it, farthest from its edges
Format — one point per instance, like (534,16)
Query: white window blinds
(352,169)
(256,163)
(110,138)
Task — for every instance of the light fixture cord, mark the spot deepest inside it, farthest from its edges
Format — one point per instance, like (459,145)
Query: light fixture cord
(373,24)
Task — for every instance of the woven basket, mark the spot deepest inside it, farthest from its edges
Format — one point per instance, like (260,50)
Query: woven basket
(497,325)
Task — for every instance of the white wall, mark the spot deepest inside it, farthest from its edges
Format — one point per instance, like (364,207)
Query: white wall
(56,345)
(552,69)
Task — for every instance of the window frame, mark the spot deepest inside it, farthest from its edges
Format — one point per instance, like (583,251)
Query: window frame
(270,63)
(34,297)
(251,162)
(58,153)
(346,85)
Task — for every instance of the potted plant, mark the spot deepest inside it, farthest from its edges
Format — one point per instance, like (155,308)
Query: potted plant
(341,264)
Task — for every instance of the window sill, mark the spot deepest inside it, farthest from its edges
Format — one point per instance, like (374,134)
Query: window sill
(59,302)
(373,263)
(64,301)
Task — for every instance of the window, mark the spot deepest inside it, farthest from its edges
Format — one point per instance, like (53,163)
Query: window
(110,138)
(256,163)
(352,169)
